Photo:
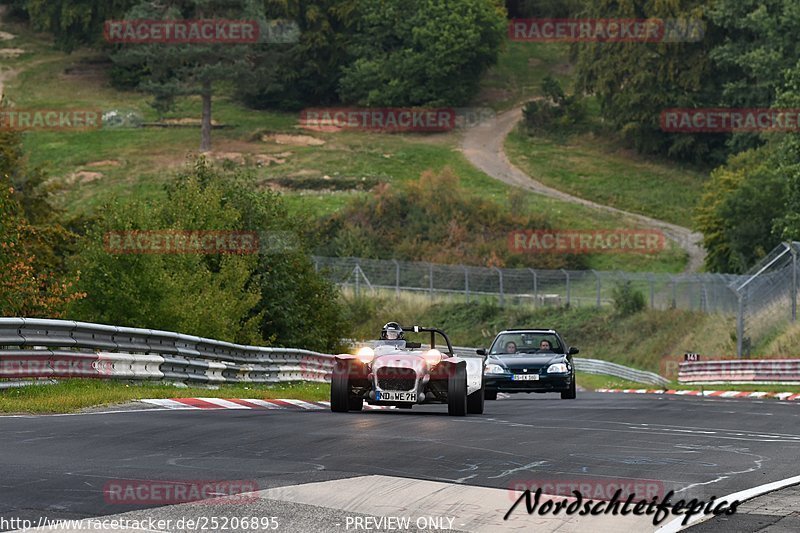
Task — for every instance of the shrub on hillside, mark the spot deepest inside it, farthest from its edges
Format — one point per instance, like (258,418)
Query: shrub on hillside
(627,300)
(272,297)
(435,219)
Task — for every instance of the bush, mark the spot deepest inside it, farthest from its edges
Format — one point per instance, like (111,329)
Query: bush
(274,297)
(556,111)
(627,300)
(435,219)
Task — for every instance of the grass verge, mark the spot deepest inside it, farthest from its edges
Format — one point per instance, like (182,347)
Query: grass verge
(76,394)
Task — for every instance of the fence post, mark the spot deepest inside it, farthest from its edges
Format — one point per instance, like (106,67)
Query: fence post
(740,325)
(500,278)
(316,265)
(674,292)
(535,286)
(357,272)
(430,280)
(566,274)
(794,282)
(396,279)
(597,277)
(466,281)
(652,282)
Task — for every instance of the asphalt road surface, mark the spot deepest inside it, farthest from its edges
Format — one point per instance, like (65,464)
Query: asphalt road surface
(323,471)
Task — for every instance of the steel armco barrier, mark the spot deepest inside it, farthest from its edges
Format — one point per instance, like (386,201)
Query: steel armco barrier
(44,348)
(596,366)
(755,371)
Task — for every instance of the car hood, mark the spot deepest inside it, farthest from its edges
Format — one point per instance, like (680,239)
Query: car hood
(526,360)
(400,359)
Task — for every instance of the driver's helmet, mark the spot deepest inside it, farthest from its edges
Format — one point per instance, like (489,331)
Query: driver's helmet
(392,331)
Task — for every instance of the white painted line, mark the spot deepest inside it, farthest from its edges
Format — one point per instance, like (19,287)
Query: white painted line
(266,404)
(169,404)
(303,405)
(224,403)
(742,496)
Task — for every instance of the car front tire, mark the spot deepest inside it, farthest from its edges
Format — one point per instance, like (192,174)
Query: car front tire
(475,401)
(457,391)
(491,394)
(570,393)
(340,388)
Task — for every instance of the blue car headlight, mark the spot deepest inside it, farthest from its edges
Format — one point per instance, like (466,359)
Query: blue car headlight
(557,368)
(495,369)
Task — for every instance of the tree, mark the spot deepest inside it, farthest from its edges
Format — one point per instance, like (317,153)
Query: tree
(421,52)
(308,71)
(31,284)
(177,70)
(635,81)
(272,297)
(73,23)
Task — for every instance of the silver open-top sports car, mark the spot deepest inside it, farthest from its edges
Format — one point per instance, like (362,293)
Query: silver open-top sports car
(401,373)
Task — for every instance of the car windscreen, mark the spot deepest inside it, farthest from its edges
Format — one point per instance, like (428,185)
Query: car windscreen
(525,342)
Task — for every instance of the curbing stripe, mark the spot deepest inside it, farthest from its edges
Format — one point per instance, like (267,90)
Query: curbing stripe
(756,395)
(248,404)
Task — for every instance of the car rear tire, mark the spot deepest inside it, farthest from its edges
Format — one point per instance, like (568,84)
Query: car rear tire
(491,395)
(340,388)
(457,391)
(475,401)
(571,393)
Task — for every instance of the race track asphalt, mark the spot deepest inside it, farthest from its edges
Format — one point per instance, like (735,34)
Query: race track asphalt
(57,466)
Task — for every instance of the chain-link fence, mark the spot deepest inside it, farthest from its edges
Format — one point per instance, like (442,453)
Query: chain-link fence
(763,300)
(702,292)
(767,297)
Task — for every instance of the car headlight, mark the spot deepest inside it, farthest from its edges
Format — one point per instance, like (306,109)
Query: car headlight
(433,357)
(495,369)
(366,355)
(557,368)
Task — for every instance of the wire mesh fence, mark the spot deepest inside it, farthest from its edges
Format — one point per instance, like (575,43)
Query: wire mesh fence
(764,300)
(701,292)
(767,298)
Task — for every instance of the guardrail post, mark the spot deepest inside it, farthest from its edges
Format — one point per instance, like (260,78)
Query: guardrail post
(597,277)
(566,274)
(396,278)
(535,286)
(500,278)
(466,282)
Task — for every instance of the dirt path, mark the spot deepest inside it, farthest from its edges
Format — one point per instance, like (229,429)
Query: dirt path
(483,147)
(5,74)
